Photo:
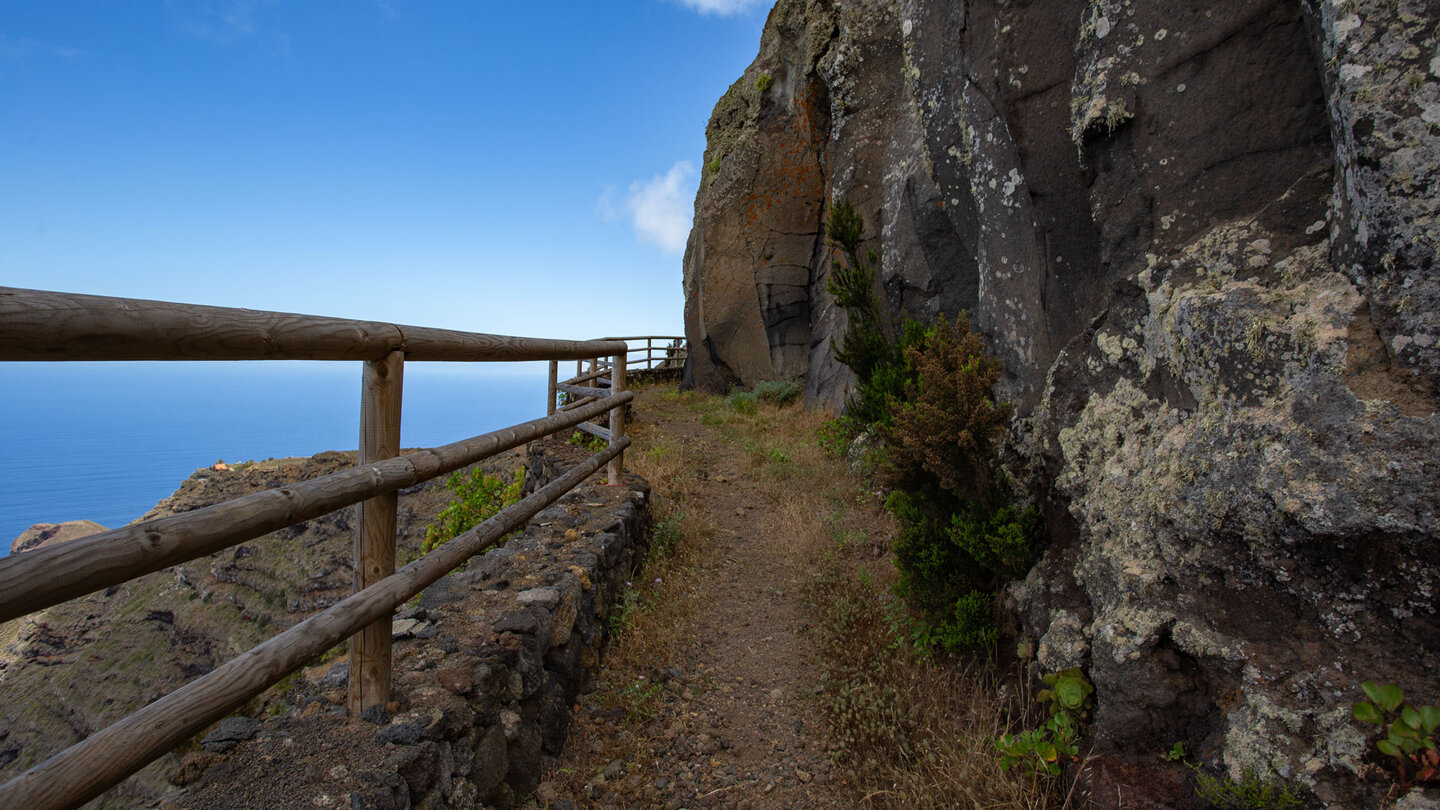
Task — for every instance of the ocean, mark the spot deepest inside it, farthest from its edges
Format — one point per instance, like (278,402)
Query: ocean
(107,441)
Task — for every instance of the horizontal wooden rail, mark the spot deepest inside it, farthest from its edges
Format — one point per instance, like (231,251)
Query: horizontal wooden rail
(36,579)
(86,769)
(598,393)
(583,401)
(668,356)
(584,378)
(41,325)
(594,430)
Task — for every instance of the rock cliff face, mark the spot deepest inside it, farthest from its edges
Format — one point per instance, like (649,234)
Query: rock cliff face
(1202,238)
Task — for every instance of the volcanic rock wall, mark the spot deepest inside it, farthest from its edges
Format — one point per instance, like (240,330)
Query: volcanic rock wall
(1202,238)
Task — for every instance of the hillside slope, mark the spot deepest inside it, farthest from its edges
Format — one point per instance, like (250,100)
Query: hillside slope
(70,670)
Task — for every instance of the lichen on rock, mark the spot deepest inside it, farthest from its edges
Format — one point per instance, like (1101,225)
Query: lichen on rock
(1200,238)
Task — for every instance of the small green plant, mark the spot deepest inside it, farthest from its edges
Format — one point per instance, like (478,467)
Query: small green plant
(836,435)
(1067,692)
(665,534)
(641,699)
(1041,750)
(1176,753)
(763,83)
(743,402)
(1250,793)
(877,361)
(777,392)
(477,497)
(623,613)
(1410,732)
(593,444)
(713,167)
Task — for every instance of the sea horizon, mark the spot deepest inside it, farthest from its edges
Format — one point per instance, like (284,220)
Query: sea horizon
(108,441)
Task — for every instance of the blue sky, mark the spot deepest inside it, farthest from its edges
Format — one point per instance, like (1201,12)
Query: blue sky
(519,168)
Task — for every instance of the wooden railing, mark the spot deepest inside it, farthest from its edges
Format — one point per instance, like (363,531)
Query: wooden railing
(36,325)
(671,354)
(578,395)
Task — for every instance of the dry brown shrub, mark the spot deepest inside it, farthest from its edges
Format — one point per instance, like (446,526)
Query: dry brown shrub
(948,425)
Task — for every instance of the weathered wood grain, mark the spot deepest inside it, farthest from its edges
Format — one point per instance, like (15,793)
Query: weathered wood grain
(582,390)
(594,430)
(552,379)
(41,325)
(86,769)
(616,469)
(46,576)
(380,398)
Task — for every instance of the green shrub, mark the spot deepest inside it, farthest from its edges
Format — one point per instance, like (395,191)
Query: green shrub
(929,392)
(951,558)
(959,534)
(763,83)
(777,392)
(742,402)
(1000,542)
(477,497)
(967,625)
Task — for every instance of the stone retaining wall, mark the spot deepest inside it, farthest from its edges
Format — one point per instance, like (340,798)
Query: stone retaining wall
(487,666)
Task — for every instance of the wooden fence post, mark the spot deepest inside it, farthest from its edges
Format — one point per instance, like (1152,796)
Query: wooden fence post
(380,397)
(617,420)
(554,378)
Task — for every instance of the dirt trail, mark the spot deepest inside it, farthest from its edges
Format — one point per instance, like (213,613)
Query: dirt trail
(729,718)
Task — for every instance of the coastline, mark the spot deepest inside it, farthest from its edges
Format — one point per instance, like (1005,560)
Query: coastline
(107,442)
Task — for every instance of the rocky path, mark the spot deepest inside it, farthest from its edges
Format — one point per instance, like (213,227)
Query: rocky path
(721,710)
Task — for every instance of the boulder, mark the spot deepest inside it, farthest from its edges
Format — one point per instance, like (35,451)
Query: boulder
(47,534)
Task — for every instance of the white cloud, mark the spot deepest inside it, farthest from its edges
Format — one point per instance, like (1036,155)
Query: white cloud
(721,7)
(660,208)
